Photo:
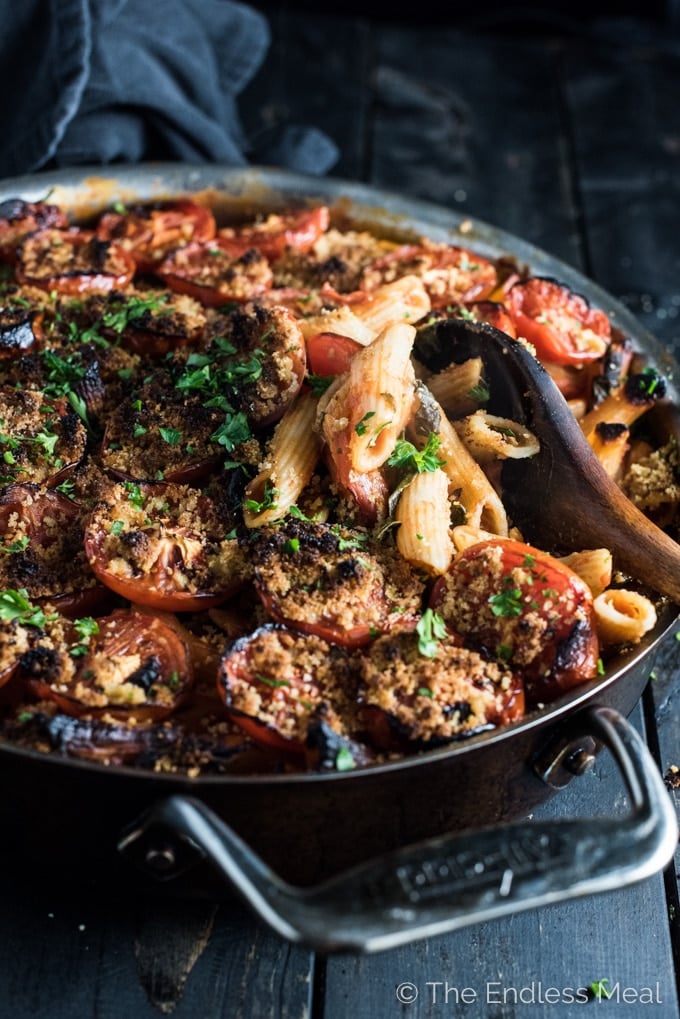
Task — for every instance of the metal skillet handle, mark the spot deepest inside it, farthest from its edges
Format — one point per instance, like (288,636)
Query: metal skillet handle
(447,882)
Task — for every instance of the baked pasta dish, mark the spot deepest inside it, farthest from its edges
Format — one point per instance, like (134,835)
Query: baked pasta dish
(245,526)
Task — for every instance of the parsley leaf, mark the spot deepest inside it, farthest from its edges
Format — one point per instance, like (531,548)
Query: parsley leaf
(507,603)
(431,629)
(233,432)
(173,436)
(406,457)
(15,605)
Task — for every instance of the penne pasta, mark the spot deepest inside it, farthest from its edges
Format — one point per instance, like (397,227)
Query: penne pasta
(291,461)
(623,616)
(468,482)
(489,437)
(424,515)
(466,535)
(594,566)
(372,406)
(459,388)
(341,321)
(610,444)
(404,300)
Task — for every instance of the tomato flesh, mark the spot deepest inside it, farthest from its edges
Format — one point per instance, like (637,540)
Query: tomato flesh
(330,353)
(294,230)
(560,324)
(149,233)
(154,663)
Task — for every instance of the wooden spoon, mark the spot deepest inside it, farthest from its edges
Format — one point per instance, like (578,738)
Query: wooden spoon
(562,498)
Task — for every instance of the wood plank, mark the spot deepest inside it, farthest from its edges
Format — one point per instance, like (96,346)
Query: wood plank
(625,130)
(566,946)
(625,127)
(142,957)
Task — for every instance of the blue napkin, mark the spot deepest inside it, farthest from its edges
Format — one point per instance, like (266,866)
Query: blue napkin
(107,81)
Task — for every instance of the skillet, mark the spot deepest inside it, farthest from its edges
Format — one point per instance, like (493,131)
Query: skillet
(439,829)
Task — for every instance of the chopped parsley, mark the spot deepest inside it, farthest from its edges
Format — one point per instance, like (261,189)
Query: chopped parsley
(173,436)
(431,628)
(135,494)
(344,760)
(16,546)
(134,309)
(480,392)
(319,383)
(507,603)
(232,432)
(272,682)
(361,427)
(85,628)
(16,606)
(406,457)
(268,500)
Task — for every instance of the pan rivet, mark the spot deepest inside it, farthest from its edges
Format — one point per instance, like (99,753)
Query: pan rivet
(579,762)
(162,859)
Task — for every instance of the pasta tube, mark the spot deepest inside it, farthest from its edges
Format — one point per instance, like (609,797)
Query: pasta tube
(404,300)
(469,483)
(593,565)
(623,616)
(290,464)
(370,409)
(455,386)
(489,437)
(424,513)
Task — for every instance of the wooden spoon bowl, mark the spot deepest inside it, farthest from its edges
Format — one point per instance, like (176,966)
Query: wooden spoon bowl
(562,498)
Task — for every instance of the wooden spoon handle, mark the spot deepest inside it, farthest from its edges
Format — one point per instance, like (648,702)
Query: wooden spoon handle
(562,498)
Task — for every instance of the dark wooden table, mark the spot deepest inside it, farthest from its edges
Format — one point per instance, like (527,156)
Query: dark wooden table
(569,136)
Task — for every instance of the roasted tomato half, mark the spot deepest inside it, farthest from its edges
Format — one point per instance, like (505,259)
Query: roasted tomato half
(41,439)
(330,353)
(333,582)
(278,685)
(148,321)
(450,275)
(258,363)
(42,550)
(72,262)
(278,233)
(19,218)
(150,232)
(524,608)
(162,431)
(164,546)
(561,325)
(211,274)
(419,694)
(15,638)
(125,664)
